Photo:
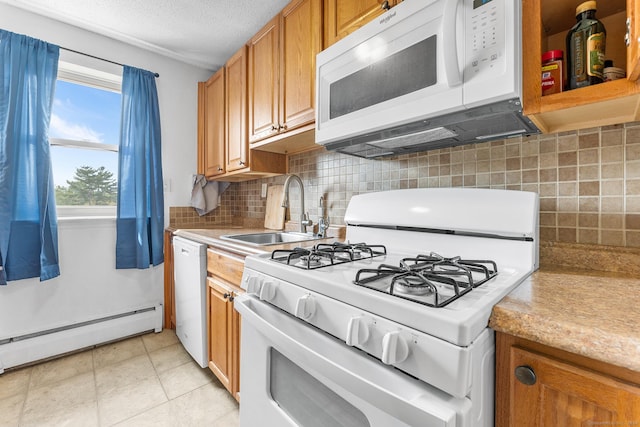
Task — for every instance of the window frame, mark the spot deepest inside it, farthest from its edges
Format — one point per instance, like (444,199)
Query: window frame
(91,77)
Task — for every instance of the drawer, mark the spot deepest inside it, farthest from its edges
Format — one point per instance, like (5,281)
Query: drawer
(225,265)
(223,287)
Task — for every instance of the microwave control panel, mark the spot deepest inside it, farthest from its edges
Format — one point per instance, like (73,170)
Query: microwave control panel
(485,38)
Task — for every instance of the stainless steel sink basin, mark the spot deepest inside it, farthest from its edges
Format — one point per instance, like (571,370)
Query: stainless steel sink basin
(270,238)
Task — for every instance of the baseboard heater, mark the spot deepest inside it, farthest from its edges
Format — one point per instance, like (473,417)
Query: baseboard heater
(29,348)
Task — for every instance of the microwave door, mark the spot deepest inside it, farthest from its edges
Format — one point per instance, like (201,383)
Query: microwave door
(403,67)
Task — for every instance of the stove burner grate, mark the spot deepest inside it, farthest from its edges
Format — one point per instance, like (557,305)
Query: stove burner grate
(326,254)
(442,279)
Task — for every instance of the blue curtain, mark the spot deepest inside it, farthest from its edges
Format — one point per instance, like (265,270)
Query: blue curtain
(140,222)
(28,223)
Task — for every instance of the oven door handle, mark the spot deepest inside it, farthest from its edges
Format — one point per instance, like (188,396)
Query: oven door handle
(324,356)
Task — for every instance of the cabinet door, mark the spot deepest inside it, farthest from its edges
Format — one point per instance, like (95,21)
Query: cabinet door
(220,318)
(633,34)
(344,17)
(300,42)
(236,100)
(567,395)
(263,82)
(214,125)
(169,293)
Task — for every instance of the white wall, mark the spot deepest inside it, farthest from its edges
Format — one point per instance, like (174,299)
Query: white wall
(89,285)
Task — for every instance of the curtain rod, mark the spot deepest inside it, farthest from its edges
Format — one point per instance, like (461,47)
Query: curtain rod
(97,57)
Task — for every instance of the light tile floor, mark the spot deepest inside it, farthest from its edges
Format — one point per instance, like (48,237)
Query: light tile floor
(148,380)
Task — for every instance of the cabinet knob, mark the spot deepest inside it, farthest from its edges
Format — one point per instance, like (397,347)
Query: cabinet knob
(385,5)
(228,296)
(525,375)
(241,163)
(220,169)
(274,127)
(282,127)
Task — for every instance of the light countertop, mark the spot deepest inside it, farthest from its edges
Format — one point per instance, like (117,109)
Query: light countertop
(596,315)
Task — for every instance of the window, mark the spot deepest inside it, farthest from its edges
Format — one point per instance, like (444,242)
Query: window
(84,134)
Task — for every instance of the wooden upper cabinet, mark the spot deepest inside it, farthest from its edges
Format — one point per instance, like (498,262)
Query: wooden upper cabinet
(300,42)
(545,25)
(282,71)
(236,116)
(214,128)
(633,50)
(263,81)
(344,17)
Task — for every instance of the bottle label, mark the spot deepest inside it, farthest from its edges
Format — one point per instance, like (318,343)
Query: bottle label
(595,56)
(577,41)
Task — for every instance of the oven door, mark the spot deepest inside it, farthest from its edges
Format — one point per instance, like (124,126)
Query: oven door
(293,374)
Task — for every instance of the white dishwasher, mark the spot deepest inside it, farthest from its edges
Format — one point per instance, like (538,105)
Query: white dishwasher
(190,272)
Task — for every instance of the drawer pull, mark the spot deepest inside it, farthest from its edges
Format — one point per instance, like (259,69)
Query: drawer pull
(526,375)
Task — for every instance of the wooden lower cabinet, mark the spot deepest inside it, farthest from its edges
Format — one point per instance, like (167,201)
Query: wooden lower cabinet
(169,302)
(538,386)
(224,334)
(224,272)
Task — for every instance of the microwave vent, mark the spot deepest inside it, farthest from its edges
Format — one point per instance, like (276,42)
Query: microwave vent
(485,123)
(417,138)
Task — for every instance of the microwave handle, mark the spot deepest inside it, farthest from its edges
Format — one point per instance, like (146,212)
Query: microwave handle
(449,20)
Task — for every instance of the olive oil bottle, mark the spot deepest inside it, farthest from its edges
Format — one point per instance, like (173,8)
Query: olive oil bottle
(585,48)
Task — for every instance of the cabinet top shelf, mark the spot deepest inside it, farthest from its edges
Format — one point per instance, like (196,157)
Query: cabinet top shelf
(559,16)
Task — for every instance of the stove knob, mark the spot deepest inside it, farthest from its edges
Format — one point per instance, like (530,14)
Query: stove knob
(394,348)
(357,331)
(253,285)
(268,291)
(305,307)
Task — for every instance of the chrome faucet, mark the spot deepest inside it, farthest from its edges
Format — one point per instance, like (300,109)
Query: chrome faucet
(323,222)
(304,221)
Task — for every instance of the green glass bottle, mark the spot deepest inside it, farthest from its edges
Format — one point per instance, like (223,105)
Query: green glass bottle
(585,48)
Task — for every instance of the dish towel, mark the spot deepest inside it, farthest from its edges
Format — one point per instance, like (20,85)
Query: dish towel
(204,194)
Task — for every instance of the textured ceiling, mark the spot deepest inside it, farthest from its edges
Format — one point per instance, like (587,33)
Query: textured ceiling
(200,32)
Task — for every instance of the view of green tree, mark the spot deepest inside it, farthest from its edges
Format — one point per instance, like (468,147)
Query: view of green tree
(89,186)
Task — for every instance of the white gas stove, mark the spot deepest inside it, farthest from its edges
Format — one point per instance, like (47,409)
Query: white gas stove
(413,286)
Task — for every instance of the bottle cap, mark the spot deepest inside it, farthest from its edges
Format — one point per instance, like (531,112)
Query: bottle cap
(552,55)
(583,7)
(613,73)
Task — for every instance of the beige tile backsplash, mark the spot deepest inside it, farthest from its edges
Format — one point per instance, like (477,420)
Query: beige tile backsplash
(588,181)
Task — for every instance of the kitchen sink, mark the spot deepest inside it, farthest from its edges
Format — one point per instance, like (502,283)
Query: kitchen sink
(270,238)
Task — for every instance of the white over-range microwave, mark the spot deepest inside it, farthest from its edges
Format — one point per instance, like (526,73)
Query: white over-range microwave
(426,74)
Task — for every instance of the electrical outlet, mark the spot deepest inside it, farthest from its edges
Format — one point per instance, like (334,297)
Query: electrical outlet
(167,185)
(264,191)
